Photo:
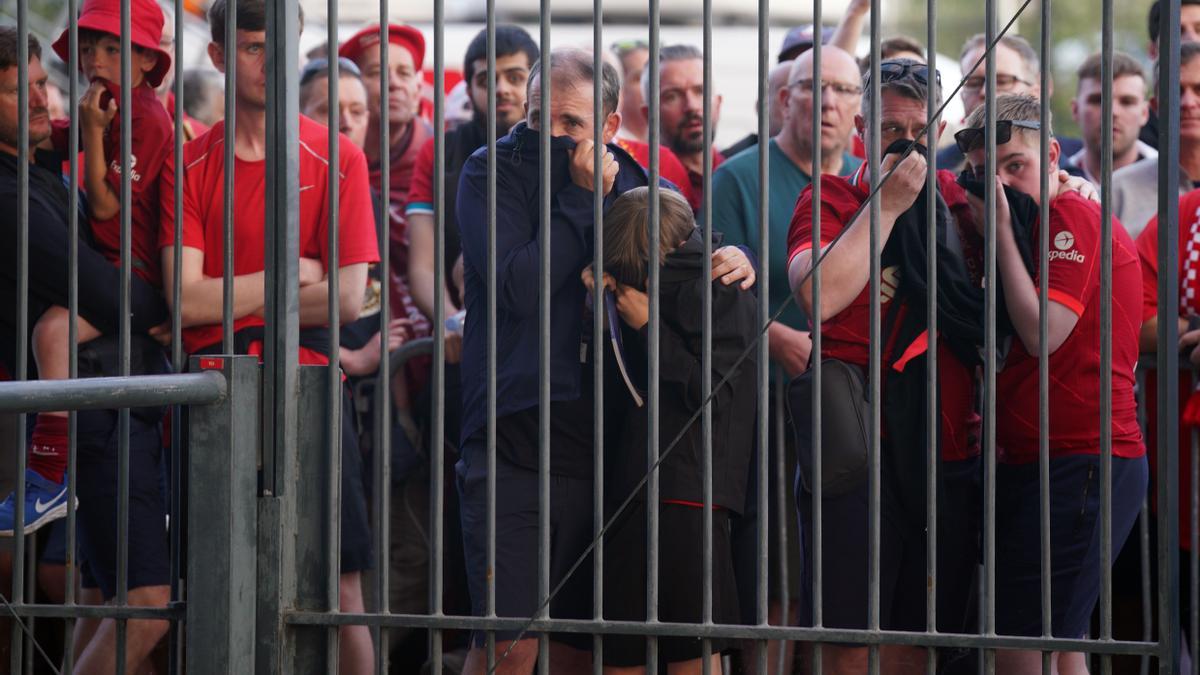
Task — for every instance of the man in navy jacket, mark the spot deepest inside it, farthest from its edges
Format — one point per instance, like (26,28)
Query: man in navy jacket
(518,282)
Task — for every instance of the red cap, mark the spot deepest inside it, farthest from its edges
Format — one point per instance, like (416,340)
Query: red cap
(406,36)
(145,22)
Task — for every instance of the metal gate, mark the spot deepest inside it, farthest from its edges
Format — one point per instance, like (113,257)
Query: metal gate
(263,463)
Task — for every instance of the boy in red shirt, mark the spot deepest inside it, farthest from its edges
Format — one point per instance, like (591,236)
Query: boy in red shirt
(100,128)
(1073,342)
(201,273)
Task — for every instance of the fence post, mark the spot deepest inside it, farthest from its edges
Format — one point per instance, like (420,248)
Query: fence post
(223,451)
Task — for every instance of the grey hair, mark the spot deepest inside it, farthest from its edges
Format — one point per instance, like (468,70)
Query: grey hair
(907,86)
(666,55)
(575,65)
(1029,56)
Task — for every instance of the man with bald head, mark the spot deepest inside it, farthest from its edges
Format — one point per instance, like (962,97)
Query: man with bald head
(777,78)
(735,213)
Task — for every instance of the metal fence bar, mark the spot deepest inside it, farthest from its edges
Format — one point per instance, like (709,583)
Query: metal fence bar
(816,496)
(437,439)
(73,321)
(101,393)
(706,599)
(991,280)
(1106,317)
(382,406)
(544,128)
(1043,253)
(333,381)
(22,337)
(1168,334)
(175,505)
(932,412)
(763,367)
(490,601)
(874,153)
(598,336)
(654,332)
(228,194)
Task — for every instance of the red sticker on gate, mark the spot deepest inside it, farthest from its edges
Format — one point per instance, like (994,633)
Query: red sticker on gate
(212,364)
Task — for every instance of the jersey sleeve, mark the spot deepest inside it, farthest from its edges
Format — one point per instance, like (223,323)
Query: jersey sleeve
(834,190)
(356,217)
(191,212)
(420,190)
(1074,253)
(1147,249)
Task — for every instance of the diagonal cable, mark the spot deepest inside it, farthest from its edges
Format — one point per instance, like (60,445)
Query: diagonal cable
(754,343)
(29,633)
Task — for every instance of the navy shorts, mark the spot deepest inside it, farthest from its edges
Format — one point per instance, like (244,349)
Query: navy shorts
(845,552)
(516,571)
(1074,540)
(356,546)
(149,561)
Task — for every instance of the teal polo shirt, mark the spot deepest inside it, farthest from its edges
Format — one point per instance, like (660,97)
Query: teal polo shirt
(735,213)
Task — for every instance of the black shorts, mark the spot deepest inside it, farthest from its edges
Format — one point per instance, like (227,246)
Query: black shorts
(680,581)
(148,552)
(845,550)
(516,573)
(356,546)
(1074,540)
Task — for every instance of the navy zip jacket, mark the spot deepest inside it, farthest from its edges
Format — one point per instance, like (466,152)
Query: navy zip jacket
(518,272)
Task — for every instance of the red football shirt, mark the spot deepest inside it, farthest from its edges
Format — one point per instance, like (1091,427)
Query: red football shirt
(1075,367)
(846,336)
(153,139)
(203,217)
(1147,246)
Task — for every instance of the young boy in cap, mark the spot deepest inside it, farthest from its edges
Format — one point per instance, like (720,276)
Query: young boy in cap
(100,135)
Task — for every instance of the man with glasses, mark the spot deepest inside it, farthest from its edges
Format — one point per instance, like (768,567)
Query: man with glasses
(845,317)
(735,213)
(1018,71)
(1073,329)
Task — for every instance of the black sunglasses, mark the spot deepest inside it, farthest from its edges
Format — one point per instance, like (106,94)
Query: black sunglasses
(894,70)
(971,139)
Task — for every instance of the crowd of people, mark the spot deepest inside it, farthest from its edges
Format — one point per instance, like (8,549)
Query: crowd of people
(640,337)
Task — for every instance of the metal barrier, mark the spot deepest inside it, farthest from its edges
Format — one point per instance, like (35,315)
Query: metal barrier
(263,465)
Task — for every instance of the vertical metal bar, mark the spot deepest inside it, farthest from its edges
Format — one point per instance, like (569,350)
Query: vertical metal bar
(764,314)
(816,495)
(706,598)
(438,433)
(1043,328)
(932,413)
(1168,334)
(73,312)
(123,340)
(781,493)
(1194,555)
(876,248)
(490,604)
(544,119)
(598,311)
(333,375)
(989,369)
(654,334)
(383,391)
(176,654)
(22,337)
(1106,317)
(229,157)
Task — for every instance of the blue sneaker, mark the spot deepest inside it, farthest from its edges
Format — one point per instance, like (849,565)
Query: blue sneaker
(45,502)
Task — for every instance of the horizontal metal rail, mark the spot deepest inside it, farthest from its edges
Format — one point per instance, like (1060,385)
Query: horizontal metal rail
(747,632)
(176,612)
(99,393)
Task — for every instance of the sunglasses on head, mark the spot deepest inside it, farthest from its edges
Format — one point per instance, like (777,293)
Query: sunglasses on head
(972,139)
(894,70)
